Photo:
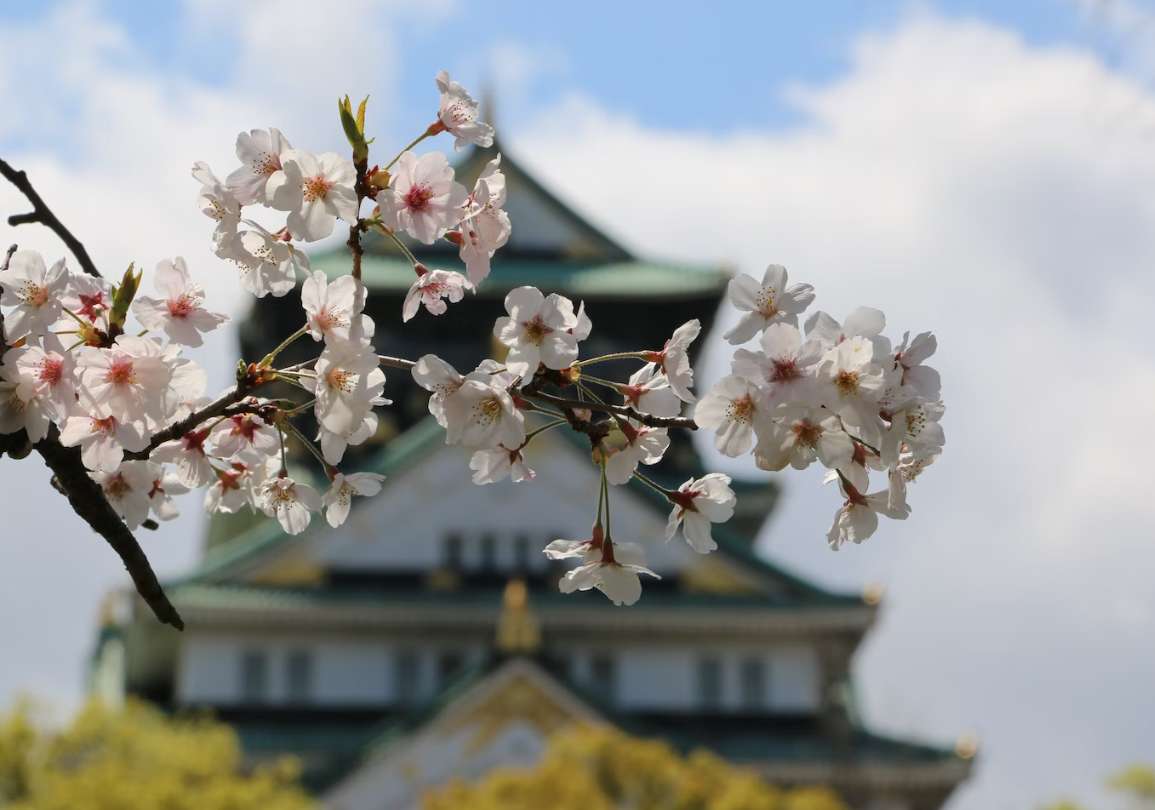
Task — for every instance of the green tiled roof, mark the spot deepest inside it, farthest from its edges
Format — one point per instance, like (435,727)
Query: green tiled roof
(624,279)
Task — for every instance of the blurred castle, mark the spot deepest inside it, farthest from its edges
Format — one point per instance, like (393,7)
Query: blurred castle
(426,638)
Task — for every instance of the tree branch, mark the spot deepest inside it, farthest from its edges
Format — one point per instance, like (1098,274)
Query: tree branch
(647,419)
(88,501)
(43,214)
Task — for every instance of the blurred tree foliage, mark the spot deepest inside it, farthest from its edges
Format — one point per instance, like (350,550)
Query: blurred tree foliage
(603,769)
(1136,783)
(135,757)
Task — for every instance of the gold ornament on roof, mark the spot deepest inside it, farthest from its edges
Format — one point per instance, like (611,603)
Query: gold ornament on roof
(517,629)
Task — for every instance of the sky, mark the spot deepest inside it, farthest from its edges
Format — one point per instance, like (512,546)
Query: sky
(982,169)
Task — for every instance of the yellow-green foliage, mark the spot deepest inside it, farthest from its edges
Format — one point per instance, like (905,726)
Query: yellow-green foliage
(602,769)
(136,757)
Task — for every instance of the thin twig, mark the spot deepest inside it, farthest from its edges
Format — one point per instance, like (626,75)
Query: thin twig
(647,419)
(43,214)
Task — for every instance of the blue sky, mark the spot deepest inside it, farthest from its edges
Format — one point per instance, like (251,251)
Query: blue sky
(982,169)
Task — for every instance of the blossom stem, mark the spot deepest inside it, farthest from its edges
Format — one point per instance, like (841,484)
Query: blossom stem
(395,362)
(75,317)
(598,380)
(606,495)
(268,359)
(312,448)
(607,357)
(648,419)
(601,494)
(406,148)
(543,429)
(402,247)
(665,493)
(284,463)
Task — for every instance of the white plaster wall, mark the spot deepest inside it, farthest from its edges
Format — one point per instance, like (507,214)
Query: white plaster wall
(663,677)
(359,671)
(353,671)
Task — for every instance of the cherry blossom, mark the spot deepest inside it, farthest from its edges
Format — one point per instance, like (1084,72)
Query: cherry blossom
(267,264)
(127,380)
(485,227)
(458,114)
(857,519)
(235,487)
(734,410)
(537,331)
(864,322)
(770,301)
(180,313)
(34,292)
(498,463)
(852,384)
(785,366)
(481,415)
(187,454)
(102,440)
(165,484)
(245,435)
(347,381)
(432,288)
(334,445)
(423,200)
(331,308)
(801,437)
(290,502)
(674,359)
(698,503)
(127,488)
(339,497)
(261,153)
(923,379)
(22,409)
(315,190)
(628,445)
(218,204)
(649,391)
(568,549)
(87,297)
(48,372)
(614,571)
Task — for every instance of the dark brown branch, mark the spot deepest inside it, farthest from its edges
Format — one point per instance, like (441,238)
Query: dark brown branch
(43,214)
(88,501)
(647,419)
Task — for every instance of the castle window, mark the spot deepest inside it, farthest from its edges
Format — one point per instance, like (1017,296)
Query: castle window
(254,676)
(449,665)
(406,674)
(709,683)
(451,550)
(604,676)
(488,548)
(753,680)
(299,676)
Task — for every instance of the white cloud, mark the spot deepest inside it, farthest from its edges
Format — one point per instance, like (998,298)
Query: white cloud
(998,193)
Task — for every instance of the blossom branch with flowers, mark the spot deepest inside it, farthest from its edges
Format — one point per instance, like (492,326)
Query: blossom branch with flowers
(122,419)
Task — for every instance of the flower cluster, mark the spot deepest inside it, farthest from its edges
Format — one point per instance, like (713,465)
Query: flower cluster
(75,371)
(838,393)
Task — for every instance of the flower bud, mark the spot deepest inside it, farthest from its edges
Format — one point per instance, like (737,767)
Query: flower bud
(122,296)
(354,127)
